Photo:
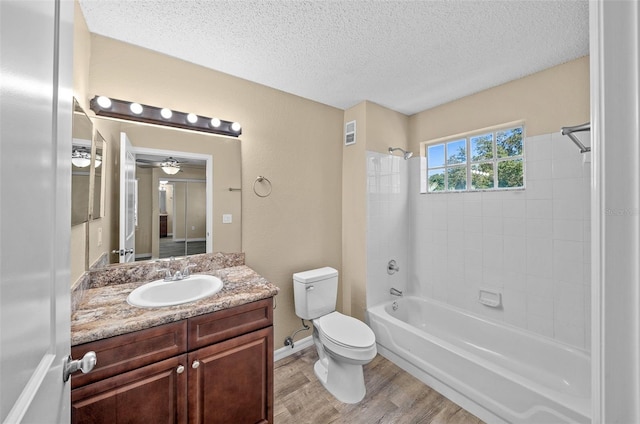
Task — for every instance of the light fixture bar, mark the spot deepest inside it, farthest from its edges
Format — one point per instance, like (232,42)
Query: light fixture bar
(121,109)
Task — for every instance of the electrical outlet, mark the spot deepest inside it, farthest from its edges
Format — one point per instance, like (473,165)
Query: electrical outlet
(99,236)
(227,218)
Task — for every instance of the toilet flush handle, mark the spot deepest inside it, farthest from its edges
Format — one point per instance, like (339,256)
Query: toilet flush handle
(309,288)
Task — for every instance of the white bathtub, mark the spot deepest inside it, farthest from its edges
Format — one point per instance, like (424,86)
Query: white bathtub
(494,370)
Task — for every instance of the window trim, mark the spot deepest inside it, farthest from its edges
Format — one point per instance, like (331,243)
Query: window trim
(467,136)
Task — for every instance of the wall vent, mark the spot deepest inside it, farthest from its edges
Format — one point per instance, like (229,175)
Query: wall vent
(350,133)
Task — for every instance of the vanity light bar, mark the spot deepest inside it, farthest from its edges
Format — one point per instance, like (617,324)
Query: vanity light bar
(121,109)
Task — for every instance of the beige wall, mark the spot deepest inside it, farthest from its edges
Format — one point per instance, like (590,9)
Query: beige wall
(294,142)
(77,251)
(386,128)
(548,100)
(377,129)
(81,57)
(354,204)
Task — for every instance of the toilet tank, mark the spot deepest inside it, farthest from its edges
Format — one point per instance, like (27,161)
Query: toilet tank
(315,292)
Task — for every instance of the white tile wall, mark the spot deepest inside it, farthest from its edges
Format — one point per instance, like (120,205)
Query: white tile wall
(532,245)
(388,225)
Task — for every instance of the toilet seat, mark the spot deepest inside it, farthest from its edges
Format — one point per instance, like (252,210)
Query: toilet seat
(346,336)
(346,331)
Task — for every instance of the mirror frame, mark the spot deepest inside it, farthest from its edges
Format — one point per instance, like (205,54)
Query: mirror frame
(97,193)
(77,112)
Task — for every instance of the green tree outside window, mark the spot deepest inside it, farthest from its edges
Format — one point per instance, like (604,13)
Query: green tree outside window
(483,161)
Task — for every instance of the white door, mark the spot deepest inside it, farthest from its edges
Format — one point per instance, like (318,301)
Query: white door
(36,48)
(128,201)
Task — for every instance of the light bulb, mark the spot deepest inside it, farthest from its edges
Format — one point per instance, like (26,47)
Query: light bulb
(215,122)
(192,118)
(236,127)
(170,166)
(80,159)
(166,113)
(104,102)
(171,170)
(136,108)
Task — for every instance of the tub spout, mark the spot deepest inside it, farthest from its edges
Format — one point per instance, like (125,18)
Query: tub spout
(395,292)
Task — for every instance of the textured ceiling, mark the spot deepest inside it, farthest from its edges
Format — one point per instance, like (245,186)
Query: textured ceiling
(406,55)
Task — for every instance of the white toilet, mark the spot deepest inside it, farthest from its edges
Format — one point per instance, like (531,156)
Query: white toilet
(344,343)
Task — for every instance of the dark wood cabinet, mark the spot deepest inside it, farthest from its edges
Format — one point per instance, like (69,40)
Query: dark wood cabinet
(213,368)
(230,382)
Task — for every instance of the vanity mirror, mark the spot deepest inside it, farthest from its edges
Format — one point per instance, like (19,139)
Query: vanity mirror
(172,215)
(99,152)
(80,165)
(208,166)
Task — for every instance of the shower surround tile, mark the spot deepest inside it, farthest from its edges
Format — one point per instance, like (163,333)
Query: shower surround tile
(531,244)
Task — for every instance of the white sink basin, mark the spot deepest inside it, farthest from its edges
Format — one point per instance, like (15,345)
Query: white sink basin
(167,293)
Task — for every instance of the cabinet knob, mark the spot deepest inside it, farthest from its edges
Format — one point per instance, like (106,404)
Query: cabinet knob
(180,369)
(195,364)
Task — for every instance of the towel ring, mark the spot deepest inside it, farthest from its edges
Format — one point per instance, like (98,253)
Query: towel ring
(259,180)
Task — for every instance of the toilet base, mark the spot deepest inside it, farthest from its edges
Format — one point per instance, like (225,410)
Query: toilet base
(344,381)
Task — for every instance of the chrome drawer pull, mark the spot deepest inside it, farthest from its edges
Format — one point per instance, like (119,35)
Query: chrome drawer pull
(85,365)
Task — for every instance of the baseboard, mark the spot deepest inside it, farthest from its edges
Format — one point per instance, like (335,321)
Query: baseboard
(285,351)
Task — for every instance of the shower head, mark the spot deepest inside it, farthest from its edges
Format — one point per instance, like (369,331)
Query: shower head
(405,153)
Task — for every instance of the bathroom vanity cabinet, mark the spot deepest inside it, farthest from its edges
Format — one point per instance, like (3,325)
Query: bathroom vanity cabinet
(212,368)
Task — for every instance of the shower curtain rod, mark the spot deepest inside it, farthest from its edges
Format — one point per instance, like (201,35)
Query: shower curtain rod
(568,131)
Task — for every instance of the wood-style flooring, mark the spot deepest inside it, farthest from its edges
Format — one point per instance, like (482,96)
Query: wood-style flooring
(393,396)
(168,247)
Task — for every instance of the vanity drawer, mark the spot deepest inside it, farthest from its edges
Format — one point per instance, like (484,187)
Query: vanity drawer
(227,323)
(123,353)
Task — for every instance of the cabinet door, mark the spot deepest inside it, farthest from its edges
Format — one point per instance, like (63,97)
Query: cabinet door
(156,393)
(232,381)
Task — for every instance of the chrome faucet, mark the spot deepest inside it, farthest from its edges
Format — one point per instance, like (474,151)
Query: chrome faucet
(186,273)
(179,275)
(395,292)
(167,269)
(167,273)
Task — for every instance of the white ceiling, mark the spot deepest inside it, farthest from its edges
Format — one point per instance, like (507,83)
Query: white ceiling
(406,55)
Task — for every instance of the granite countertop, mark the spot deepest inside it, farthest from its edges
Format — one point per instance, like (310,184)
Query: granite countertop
(104,312)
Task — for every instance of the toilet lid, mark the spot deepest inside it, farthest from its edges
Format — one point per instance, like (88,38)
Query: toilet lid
(346,330)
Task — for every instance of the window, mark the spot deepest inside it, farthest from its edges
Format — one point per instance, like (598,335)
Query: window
(483,160)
